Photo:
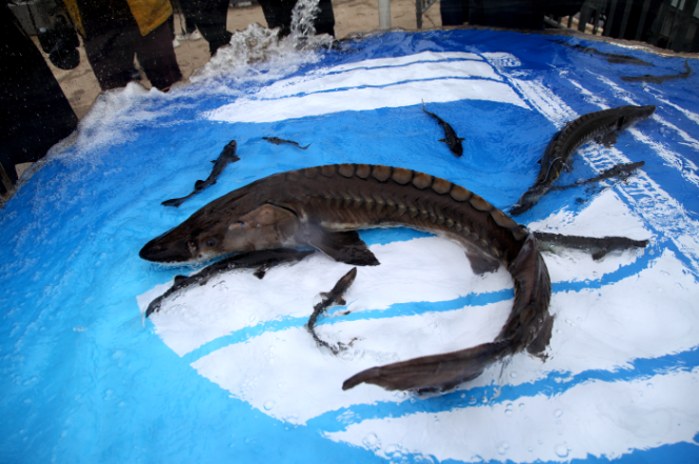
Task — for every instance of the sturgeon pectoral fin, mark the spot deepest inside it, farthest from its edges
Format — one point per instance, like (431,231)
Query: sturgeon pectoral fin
(431,372)
(346,247)
(608,140)
(481,263)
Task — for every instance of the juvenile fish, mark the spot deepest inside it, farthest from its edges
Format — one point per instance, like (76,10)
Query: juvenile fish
(227,156)
(262,261)
(660,79)
(622,171)
(450,137)
(323,207)
(611,57)
(597,247)
(603,126)
(332,298)
(278,141)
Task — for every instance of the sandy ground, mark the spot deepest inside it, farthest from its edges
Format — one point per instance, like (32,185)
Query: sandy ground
(351,16)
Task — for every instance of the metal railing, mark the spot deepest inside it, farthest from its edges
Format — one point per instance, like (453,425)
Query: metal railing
(670,24)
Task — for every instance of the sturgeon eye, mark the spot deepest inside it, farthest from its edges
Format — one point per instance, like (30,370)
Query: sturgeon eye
(241,224)
(211,242)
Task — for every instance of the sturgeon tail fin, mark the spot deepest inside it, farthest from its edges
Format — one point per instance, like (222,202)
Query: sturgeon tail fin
(437,372)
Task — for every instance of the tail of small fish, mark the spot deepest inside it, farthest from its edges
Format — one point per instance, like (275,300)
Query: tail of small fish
(442,371)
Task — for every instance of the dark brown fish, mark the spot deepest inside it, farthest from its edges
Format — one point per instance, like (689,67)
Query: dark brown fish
(324,207)
(660,79)
(603,126)
(278,141)
(613,58)
(450,138)
(227,156)
(333,297)
(262,261)
(597,247)
(621,171)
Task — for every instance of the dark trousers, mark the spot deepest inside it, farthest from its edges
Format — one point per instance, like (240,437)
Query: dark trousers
(210,17)
(111,55)
(34,112)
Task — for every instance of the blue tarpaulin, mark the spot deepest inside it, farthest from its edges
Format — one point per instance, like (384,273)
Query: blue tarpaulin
(228,373)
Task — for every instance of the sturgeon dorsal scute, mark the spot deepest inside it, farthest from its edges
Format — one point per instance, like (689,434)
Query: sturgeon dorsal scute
(324,206)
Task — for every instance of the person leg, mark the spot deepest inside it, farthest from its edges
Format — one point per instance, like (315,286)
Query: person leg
(157,57)
(210,17)
(111,55)
(278,14)
(325,20)
(451,12)
(34,112)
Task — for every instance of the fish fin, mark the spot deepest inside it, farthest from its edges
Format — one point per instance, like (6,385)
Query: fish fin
(608,140)
(176,202)
(214,161)
(539,162)
(346,247)
(460,139)
(480,262)
(539,344)
(437,372)
(198,185)
(600,253)
(442,140)
(179,278)
(260,272)
(303,148)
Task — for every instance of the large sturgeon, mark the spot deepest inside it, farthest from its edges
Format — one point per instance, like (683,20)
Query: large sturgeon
(603,126)
(324,207)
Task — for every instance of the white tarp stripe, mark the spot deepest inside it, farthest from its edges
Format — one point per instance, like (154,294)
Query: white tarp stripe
(184,326)
(377,77)
(403,60)
(281,362)
(572,425)
(368,98)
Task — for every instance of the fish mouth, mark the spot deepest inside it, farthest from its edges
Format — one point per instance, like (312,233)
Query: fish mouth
(159,252)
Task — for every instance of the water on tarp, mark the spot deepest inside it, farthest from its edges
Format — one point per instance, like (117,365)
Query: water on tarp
(228,371)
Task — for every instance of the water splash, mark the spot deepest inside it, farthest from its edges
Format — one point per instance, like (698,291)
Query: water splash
(256,54)
(302,18)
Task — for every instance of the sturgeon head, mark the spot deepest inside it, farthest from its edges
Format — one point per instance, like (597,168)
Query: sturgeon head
(237,222)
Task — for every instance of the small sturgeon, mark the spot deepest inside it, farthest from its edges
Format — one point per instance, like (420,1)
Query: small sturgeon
(278,141)
(325,206)
(612,58)
(603,126)
(622,171)
(597,247)
(450,137)
(227,156)
(261,261)
(333,297)
(660,79)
